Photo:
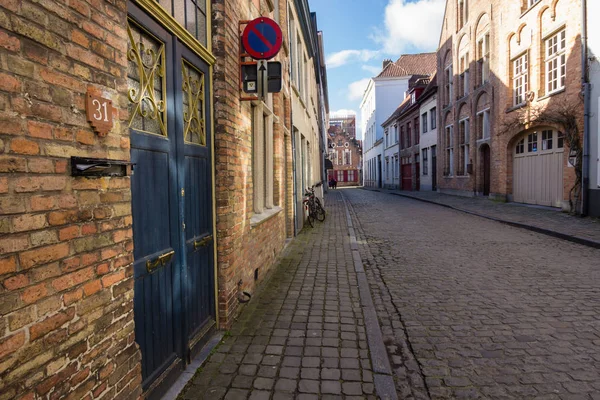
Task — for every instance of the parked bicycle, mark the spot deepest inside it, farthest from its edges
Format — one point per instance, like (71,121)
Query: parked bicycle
(313,204)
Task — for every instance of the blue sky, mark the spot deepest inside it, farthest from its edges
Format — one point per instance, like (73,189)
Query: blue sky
(360,34)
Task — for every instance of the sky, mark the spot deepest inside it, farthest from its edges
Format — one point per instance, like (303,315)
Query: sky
(359,34)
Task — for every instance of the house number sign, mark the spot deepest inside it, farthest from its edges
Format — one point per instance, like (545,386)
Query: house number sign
(98,111)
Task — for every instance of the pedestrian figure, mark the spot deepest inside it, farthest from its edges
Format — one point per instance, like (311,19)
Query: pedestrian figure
(334,183)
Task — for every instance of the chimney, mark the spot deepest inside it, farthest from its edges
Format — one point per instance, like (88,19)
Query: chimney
(386,62)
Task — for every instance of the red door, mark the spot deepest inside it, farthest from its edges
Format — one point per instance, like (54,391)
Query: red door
(407,177)
(418,177)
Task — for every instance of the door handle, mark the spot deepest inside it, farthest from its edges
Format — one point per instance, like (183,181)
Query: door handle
(161,260)
(202,242)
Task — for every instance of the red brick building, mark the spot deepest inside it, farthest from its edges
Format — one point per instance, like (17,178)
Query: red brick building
(345,152)
(110,283)
(506,70)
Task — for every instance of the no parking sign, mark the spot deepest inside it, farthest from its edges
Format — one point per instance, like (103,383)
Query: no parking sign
(262,38)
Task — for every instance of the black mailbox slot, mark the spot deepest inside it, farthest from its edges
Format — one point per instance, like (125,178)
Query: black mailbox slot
(95,167)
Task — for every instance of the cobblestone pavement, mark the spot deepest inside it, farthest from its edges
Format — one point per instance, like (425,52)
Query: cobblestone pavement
(471,308)
(539,217)
(303,336)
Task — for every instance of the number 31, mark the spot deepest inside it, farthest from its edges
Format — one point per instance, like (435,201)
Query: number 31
(98,114)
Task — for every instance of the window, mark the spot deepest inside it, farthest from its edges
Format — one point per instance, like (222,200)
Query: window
(560,140)
(483,59)
(347,157)
(425,171)
(547,140)
(340,176)
(262,158)
(520,79)
(449,161)
(395,133)
(333,156)
(532,143)
(408,135)
(464,75)
(424,122)
(556,62)
(351,176)
(396,167)
(387,169)
(433,113)
(299,69)
(402,139)
(483,124)
(292,42)
(462,13)
(417,131)
(521,147)
(387,140)
(463,146)
(448,78)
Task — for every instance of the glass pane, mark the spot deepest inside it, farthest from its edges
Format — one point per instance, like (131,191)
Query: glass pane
(146,81)
(193,105)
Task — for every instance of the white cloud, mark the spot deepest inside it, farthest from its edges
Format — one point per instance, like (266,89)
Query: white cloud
(345,56)
(357,89)
(341,113)
(375,70)
(411,25)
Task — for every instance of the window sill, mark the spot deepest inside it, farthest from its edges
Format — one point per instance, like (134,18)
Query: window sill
(559,91)
(267,214)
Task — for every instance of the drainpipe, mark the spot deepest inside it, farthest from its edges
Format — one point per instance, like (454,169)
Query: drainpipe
(586,116)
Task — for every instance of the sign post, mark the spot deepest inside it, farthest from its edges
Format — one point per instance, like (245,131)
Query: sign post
(262,39)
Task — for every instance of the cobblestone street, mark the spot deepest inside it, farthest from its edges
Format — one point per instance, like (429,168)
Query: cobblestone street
(471,308)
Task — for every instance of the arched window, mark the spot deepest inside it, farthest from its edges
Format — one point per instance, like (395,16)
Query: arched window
(483,50)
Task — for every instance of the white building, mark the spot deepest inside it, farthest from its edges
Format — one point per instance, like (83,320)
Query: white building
(593,102)
(429,137)
(383,95)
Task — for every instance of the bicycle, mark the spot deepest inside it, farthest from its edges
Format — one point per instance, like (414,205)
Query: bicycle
(313,204)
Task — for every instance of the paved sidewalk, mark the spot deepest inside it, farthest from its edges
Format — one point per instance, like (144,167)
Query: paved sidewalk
(540,219)
(304,335)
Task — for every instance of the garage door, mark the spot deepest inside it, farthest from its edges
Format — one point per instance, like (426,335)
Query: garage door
(538,169)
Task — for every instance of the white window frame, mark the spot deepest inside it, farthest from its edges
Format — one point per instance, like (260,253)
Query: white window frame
(262,151)
(463,64)
(555,61)
(520,70)
(424,117)
(433,113)
(449,76)
(449,139)
(485,123)
(483,47)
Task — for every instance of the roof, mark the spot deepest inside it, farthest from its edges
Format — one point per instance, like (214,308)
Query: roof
(411,64)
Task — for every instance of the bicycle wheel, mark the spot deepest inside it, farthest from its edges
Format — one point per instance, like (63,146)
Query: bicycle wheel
(319,210)
(311,219)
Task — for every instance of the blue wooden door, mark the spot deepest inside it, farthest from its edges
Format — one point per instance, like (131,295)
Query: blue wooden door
(171,200)
(196,157)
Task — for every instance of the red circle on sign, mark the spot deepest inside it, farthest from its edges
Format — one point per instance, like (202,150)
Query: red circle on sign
(262,38)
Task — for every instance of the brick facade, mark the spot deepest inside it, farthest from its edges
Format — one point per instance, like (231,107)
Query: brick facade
(66,297)
(341,140)
(508,30)
(243,245)
(66,248)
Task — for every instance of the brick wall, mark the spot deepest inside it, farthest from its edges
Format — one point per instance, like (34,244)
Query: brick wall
(66,285)
(512,24)
(242,247)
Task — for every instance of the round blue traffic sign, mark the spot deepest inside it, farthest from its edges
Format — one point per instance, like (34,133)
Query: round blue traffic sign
(262,38)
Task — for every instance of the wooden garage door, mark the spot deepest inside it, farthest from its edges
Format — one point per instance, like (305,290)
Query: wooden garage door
(538,169)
